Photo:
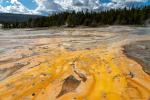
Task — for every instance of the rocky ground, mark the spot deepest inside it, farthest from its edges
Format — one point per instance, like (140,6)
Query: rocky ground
(75,64)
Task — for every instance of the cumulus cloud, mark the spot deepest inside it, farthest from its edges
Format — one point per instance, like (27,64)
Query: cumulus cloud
(50,6)
(47,6)
(15,7)
(129,0)
(123,3)
(79,5)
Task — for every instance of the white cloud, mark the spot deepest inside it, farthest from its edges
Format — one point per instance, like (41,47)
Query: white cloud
(15,7)
(129,1)
(79,4)
(49,6)
(123,3)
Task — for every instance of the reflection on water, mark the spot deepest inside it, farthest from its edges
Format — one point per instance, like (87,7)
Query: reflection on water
(142,31)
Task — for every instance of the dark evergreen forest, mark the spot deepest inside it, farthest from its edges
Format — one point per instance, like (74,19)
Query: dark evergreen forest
(126,16)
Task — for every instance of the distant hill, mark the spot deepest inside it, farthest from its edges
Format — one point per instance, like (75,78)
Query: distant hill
(9,17)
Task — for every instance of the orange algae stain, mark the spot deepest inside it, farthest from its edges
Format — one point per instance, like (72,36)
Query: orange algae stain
(108,78)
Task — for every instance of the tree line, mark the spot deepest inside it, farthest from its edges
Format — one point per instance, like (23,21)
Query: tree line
(126,16)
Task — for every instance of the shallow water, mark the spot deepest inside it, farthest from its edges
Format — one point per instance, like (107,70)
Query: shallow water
(18,38)
(13,38)
(142,31)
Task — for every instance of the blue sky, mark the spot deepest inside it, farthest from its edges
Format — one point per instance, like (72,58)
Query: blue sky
(29,4)
(50,6)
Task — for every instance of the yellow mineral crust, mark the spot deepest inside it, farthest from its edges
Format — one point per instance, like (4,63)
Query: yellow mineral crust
(97,74)
(74,65)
